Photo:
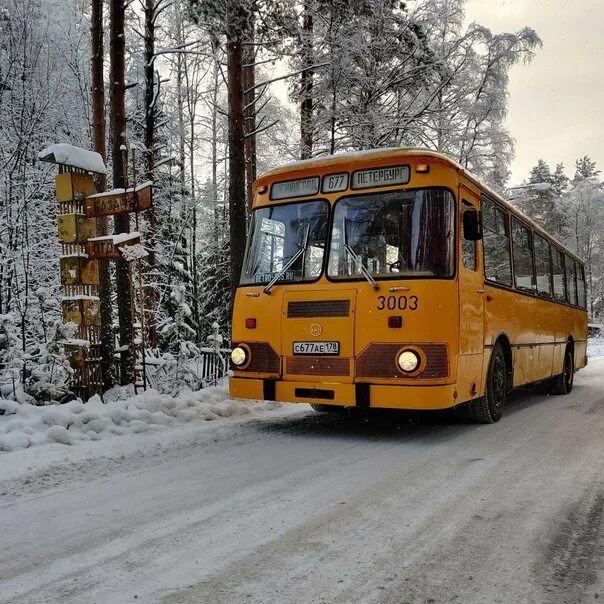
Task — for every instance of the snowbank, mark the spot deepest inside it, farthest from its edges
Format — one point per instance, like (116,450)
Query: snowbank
(24,426)
(595,347)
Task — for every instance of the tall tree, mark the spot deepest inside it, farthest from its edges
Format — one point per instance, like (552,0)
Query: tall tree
(306,82)
(119,147)
(98,135)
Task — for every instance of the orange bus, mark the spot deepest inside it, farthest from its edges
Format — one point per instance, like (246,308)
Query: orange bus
(394,279)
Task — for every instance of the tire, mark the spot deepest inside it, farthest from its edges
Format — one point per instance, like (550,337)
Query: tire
(488,409)
(563,383)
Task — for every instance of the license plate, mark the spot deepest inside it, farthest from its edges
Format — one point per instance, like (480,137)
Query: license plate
(316,347)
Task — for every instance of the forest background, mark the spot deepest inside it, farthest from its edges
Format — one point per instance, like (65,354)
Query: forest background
(206,112)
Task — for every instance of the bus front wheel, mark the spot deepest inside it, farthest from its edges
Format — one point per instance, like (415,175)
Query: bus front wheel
(563,383)
(489,408)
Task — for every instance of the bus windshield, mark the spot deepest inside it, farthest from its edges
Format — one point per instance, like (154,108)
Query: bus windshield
(401,233)
(284,233)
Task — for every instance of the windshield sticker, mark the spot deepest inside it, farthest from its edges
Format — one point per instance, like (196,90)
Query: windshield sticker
(295,188)
(380,177)
(268,277)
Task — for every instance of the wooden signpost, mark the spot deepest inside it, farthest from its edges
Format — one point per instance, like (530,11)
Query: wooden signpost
(81,252)
(119,201)
(113,203)
(108,248)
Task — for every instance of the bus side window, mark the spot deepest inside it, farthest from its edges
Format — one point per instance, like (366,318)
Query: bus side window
(543,267)
(496,243)
(571,280)
(468,248)
(524,277)
(581,286)
(559,280)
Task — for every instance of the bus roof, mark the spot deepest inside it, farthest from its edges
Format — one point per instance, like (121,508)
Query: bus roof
(352,157)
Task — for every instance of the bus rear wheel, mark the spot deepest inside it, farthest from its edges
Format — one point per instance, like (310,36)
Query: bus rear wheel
(488,409)
(563,383)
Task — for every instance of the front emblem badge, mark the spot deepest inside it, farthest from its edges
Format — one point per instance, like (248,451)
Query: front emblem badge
(315,330)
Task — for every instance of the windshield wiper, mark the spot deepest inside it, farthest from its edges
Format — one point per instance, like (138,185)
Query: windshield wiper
(292,260)
(356,258)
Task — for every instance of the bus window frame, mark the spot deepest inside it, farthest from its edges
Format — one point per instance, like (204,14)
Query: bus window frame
(361,193)
(554,247)
(325,254)
(581,270)
(508,214)
(524,290)
(467,205)
(540,294)
(576,303)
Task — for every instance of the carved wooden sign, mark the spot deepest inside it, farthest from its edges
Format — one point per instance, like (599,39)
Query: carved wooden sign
(119,201)
(108,248)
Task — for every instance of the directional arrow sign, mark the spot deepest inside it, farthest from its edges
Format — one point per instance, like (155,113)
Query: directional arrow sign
(108,248)
(119,201)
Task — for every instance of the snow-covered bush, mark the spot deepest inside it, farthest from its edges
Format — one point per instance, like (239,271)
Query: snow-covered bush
(49,378)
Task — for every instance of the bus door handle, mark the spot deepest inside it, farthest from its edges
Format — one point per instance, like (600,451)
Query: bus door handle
(399,288)
(480,291)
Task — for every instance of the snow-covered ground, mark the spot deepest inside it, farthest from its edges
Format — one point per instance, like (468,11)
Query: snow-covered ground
(595,347)
(35,437)
(268,504)
(305,508)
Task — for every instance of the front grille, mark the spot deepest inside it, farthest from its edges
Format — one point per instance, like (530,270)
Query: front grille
(318,308)
(317,366)
(379,361)
(264,358)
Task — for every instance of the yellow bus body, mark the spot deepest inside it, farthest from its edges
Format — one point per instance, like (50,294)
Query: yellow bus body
(454,326)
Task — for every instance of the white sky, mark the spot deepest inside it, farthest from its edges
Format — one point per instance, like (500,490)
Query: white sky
(556,109)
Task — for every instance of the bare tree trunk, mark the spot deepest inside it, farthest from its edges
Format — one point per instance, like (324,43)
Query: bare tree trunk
(194,271)
(215,146)
(249,81)
(180,101)
(306,84)
(118,143)
(98,133)
(150,301)
(237,208)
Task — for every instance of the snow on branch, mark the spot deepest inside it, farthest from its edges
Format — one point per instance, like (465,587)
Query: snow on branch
(284,77)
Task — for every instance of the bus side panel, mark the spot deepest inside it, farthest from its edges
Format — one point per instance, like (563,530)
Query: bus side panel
(470,383)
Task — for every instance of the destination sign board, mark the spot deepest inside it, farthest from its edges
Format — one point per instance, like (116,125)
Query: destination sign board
(381,177)
(108,248)
(119,201)
(333,183)
(295,188)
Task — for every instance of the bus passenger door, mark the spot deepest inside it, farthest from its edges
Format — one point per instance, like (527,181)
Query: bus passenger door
(471,306)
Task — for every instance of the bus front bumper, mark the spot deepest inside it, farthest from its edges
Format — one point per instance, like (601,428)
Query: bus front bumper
(346,395)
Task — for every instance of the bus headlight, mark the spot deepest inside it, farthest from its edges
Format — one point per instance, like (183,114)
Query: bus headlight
(408,361)
(238,356)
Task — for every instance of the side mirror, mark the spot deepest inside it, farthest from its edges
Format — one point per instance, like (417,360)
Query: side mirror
(472,229)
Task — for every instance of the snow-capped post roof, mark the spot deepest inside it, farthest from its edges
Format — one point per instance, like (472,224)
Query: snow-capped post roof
(74,157)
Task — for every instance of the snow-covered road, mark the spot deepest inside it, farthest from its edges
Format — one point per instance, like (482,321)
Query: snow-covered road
(299,507)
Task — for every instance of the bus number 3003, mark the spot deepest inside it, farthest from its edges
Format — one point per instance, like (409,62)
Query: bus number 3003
(397,303)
